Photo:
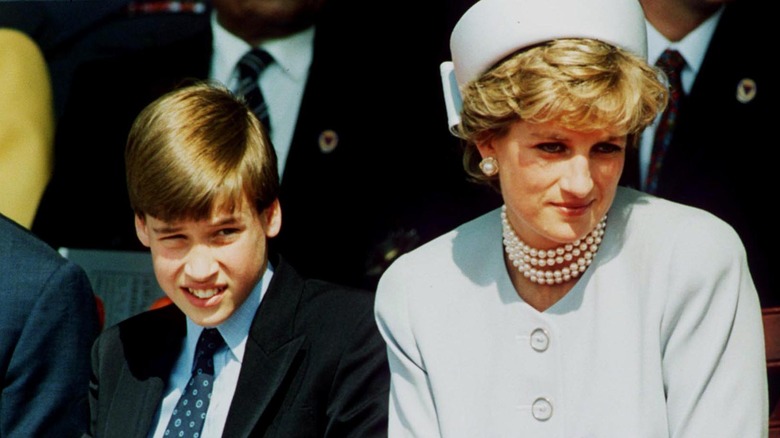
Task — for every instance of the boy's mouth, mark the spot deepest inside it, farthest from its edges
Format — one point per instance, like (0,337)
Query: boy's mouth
(204,293)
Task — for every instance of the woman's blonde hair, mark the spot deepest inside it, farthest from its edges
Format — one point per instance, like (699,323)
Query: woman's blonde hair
(195,149)
(583,84)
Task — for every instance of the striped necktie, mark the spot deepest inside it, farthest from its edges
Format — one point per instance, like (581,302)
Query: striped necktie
(250,66)
(672,63)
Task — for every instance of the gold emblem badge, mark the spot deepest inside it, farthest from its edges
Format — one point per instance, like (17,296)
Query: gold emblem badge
(328,141)
(746,90)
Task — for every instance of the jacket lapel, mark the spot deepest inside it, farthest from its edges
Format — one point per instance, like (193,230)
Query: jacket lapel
(142,381)
(271,351)
(140,400)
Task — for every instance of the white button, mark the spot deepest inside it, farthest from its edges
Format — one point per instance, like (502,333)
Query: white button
(539,340)
(542,409)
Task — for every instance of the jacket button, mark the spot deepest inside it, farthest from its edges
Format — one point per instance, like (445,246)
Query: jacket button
(540,340)
(542,409)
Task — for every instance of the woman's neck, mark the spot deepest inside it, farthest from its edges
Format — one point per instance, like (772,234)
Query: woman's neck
(542,277)
(540,297)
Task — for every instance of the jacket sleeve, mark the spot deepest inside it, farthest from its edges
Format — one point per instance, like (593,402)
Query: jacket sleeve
(412,409)
(45,387)
(713,354)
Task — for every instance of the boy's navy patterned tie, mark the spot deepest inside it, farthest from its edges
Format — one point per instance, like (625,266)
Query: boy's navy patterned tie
(190,412)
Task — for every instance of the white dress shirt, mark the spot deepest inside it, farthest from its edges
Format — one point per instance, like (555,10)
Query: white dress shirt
(282,82)
(692,48)
(227,365)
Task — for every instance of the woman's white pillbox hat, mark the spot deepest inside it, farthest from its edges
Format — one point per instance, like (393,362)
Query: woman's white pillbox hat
(491,30)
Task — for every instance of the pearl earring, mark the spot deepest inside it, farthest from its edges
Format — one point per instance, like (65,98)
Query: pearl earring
(489,166)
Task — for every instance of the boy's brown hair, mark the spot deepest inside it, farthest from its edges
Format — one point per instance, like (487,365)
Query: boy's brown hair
(196,149)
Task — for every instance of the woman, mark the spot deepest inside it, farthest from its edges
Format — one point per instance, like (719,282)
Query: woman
(579,309)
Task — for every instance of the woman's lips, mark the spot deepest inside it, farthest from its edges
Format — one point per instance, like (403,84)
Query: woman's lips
(573,208)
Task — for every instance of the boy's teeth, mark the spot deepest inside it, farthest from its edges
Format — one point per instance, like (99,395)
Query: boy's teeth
(203,293)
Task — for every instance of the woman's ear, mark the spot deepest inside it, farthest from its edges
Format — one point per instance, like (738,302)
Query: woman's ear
(485,146)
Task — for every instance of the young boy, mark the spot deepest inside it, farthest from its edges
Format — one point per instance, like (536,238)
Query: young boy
(290,356)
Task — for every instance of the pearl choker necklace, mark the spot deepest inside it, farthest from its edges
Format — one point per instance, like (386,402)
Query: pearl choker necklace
(531,262)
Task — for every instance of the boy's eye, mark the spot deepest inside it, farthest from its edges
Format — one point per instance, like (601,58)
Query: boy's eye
(172,237)
(228,231)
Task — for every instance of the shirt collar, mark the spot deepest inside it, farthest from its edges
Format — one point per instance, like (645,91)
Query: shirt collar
(693,47)
(293,53)
(235,330)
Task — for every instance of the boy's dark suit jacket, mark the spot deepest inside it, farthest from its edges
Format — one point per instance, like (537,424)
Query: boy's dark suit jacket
(719,156)
(314,366)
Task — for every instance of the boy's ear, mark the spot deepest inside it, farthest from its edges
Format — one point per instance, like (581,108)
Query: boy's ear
(271,218)
(141,231)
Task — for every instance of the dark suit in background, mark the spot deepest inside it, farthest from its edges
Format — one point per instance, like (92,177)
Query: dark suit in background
(720,156)
(393,181)
(48,321)
(314,366)
(71,33)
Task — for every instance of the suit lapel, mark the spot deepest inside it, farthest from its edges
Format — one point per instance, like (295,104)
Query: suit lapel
(142,381)
(271,352)
(140,400)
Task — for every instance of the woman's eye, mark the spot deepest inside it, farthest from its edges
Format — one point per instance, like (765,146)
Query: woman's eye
(607,148)
(551,147)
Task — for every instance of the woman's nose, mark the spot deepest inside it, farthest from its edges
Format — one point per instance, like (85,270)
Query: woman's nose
(577,179)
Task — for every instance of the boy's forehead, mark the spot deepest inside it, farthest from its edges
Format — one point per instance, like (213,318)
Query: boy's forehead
(225,211)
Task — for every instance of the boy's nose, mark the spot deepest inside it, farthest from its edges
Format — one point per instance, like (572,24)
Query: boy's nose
(201,264)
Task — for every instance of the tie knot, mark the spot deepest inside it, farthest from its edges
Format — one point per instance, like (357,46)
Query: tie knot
(671,62)
(209,342)
(254,62)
